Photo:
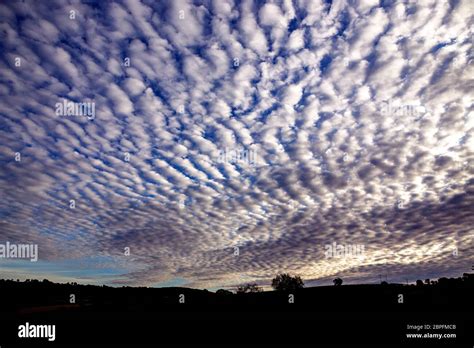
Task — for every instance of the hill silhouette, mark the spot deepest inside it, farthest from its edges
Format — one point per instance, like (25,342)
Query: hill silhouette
(33,295)
(112,313)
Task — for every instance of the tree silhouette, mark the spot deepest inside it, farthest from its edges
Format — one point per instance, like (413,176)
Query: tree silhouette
(419,283)
(337,282)
(249,288)
(286,282)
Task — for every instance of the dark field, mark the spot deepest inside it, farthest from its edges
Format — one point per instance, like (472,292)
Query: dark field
(368,313)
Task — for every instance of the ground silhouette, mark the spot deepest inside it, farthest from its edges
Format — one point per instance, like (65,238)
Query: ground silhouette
(369,313)
(34,296)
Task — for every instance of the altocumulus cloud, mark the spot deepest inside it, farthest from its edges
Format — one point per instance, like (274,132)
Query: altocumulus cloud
(358,116)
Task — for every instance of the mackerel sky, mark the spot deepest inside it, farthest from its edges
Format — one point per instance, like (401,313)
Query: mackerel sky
(232,140)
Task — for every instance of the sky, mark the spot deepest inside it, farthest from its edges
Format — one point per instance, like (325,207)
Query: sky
(209,144)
